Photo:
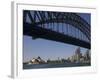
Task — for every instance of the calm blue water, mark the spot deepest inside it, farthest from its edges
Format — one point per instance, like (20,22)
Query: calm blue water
(37,66)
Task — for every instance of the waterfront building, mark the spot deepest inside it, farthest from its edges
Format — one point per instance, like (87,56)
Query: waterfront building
(77,56)
(87,55)
(38,60)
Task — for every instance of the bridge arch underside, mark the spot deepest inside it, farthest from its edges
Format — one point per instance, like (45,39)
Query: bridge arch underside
(45,29)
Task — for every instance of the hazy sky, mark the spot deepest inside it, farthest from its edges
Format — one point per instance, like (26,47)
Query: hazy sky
(48,49)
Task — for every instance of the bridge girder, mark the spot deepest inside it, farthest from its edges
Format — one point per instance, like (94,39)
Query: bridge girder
(46,17)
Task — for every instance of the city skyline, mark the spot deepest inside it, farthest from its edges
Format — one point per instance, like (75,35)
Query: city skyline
(60,50)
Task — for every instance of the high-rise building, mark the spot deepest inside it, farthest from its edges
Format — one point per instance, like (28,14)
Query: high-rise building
(78,54)
(87,55)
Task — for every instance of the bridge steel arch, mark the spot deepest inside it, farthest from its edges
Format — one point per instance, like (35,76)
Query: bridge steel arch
(45,17)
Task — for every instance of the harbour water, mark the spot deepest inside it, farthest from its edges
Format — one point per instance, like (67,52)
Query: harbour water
(39,66)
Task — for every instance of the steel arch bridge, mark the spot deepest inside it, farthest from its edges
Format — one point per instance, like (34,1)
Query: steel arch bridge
(57,26)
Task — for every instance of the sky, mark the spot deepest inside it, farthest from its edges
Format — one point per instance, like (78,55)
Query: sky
(48,49)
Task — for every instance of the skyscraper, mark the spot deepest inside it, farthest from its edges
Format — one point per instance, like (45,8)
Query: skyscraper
(78,54)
